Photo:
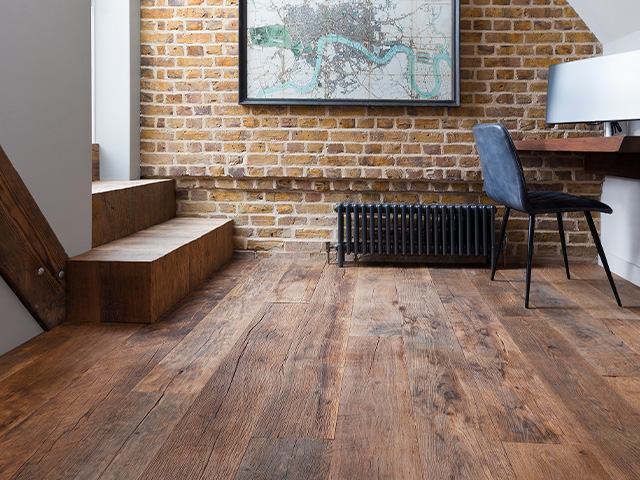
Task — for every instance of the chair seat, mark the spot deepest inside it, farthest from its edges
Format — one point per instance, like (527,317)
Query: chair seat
(555,202)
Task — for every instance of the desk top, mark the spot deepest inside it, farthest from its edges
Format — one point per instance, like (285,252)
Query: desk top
(625,144)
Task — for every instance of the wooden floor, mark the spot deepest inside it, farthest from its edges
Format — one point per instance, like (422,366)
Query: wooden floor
(283,368)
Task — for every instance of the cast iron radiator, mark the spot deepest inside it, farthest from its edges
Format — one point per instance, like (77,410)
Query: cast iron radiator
(415,229)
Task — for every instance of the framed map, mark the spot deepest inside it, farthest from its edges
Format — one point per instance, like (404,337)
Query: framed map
(372,52)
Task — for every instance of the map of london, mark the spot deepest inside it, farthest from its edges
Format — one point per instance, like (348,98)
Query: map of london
(349,50)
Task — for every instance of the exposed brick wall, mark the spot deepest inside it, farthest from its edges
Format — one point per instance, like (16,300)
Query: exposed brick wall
(277,171)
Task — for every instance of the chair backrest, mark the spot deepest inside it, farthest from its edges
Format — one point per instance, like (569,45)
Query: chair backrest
(501,168)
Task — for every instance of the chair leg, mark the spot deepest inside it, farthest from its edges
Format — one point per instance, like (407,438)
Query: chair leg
(605,264)
(532,228)
(564,245)
(503,229)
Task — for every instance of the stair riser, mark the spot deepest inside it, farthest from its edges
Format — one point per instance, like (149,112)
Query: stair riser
(141,292)
(121,212)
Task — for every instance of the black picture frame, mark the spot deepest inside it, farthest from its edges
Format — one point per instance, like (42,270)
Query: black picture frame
(243,98)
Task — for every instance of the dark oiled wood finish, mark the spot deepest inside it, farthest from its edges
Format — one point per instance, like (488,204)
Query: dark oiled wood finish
(618,156)
(292,369)
(533,461)
(375,398)
(626,165)
(582,144)
(32,259)
(124,208)
(138,278)
(95,162)
(275,458)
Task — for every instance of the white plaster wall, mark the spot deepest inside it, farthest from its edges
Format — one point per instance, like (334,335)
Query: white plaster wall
(45,126)
(117,87)
(16,323)
(621,230)
(609,20)
(615,23)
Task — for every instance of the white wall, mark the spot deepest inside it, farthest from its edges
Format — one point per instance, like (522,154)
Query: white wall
(621,230)
(609,20)
(117,87)
(45,126)
(615,23)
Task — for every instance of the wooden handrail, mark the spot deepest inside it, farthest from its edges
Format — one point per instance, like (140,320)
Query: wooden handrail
(32,259)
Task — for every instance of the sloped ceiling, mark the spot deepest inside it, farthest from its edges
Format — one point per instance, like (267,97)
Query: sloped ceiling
(609,20)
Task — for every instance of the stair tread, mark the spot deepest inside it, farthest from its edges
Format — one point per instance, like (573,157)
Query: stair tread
(102,186)
(154,242)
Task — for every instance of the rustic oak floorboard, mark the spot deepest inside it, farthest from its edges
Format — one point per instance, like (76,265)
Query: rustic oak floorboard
(231,384)
(52,431)
(596,302)
(59,425)
(455,434)
(628,388)
(74,415)
(376,434)
(286,458)
(39,346)
(92,455)
(611,423)
(190,365)
(502,298)
(446,284)
(141,446)
(629,293)
(558,462)
(305,396)
(606,353)
(211,438)
(520,405)
(627,330)
(49,375)
(299,282)
(375,307)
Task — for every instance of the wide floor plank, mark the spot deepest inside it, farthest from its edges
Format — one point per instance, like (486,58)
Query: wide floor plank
(189,366)
(627,388)
(611,423)
(49,375)
(559,462)
(299,283)
(376,435)
(211,439)
(456,436)
(604,351)
(375,307)
(286,459)
(521,406)
(305,396)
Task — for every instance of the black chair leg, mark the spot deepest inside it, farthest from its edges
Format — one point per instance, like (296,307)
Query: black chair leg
(503,229)
(605,264)
(532,228)
(564,244)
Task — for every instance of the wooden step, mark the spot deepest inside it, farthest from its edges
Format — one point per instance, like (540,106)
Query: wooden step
(123,208)
(95,162)
(138,278)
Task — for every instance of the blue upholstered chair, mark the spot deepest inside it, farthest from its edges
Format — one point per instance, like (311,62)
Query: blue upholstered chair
(504,183)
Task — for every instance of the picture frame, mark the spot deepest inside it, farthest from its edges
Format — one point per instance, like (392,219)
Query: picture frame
(340,52)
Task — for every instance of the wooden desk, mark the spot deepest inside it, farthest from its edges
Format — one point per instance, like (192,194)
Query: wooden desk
(617,156)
